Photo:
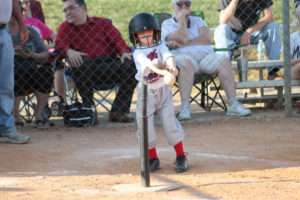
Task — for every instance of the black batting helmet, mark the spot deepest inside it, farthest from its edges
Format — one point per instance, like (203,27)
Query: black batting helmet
(141,22)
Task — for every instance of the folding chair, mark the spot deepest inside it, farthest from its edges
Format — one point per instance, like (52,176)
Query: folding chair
(28,106)
(102,92)
(37,10)
(202,82)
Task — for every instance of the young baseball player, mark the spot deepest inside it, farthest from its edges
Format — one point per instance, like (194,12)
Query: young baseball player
(156,68)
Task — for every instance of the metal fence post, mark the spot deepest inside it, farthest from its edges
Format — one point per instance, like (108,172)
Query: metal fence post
(286,55)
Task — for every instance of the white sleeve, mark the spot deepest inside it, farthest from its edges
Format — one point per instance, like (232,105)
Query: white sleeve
(166,28)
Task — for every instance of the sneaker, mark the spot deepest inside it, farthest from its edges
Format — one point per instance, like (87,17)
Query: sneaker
(116,116)
(237,109)
(181,164)
(153,164)
(14,138)
(40,124)
(184,114)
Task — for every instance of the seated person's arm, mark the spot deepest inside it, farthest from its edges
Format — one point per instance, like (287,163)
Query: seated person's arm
(228,12)
(267,18)
(125,56)
(41,58)
(204,38)
(38,52)
(180,36)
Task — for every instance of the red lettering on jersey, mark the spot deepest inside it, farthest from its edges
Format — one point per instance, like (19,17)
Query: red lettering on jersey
(152,55)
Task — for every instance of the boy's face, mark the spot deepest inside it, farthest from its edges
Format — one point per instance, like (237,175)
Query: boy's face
(146,37)
(75,13)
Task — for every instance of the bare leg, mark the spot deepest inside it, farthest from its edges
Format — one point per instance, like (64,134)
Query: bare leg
(42,99)
(59,83)
(186,80)
(226,77)
(227,81)
(295,72)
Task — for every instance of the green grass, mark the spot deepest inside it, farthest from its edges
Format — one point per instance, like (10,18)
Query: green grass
(121,11)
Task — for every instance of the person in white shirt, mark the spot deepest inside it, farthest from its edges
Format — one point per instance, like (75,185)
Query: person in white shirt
(189,38)
(154,62)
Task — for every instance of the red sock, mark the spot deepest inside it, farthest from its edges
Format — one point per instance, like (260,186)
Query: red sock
(179,149)
(152,153)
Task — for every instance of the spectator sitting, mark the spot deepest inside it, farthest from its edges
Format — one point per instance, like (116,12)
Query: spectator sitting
(92,45)
(44,31)
(190,37)
(240,23)
(28,75)
(46,34)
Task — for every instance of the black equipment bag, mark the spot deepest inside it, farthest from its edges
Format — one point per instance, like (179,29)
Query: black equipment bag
(79,115)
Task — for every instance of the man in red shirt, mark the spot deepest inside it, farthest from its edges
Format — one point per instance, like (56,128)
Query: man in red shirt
(92,45)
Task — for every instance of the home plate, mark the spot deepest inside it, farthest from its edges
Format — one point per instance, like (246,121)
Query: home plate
(154,187)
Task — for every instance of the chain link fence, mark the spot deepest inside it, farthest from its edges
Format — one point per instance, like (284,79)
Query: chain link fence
(87,64)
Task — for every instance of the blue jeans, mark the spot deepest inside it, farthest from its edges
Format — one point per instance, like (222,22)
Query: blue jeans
(225,37)
(6,82)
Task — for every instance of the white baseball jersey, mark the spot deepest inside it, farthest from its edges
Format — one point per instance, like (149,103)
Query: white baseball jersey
(159,96)
(143,58)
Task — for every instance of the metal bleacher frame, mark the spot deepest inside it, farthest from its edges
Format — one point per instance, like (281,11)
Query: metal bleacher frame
(261,84)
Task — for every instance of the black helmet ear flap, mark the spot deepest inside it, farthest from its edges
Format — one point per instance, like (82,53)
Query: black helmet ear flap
(136,39)
(156,35)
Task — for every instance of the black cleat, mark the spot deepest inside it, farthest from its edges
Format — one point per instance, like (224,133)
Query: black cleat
(153,164)
(181,164)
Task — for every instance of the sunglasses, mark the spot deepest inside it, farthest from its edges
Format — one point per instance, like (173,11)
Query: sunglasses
(186,3)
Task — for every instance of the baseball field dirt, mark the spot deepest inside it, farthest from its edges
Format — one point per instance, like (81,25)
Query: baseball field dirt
(229,158)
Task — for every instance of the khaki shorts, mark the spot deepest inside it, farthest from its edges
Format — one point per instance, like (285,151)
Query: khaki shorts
(203,62)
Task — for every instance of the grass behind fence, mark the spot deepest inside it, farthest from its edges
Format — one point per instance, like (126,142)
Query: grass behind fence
(121,11)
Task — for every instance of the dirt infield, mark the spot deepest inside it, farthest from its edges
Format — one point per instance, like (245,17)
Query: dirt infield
(253,158)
